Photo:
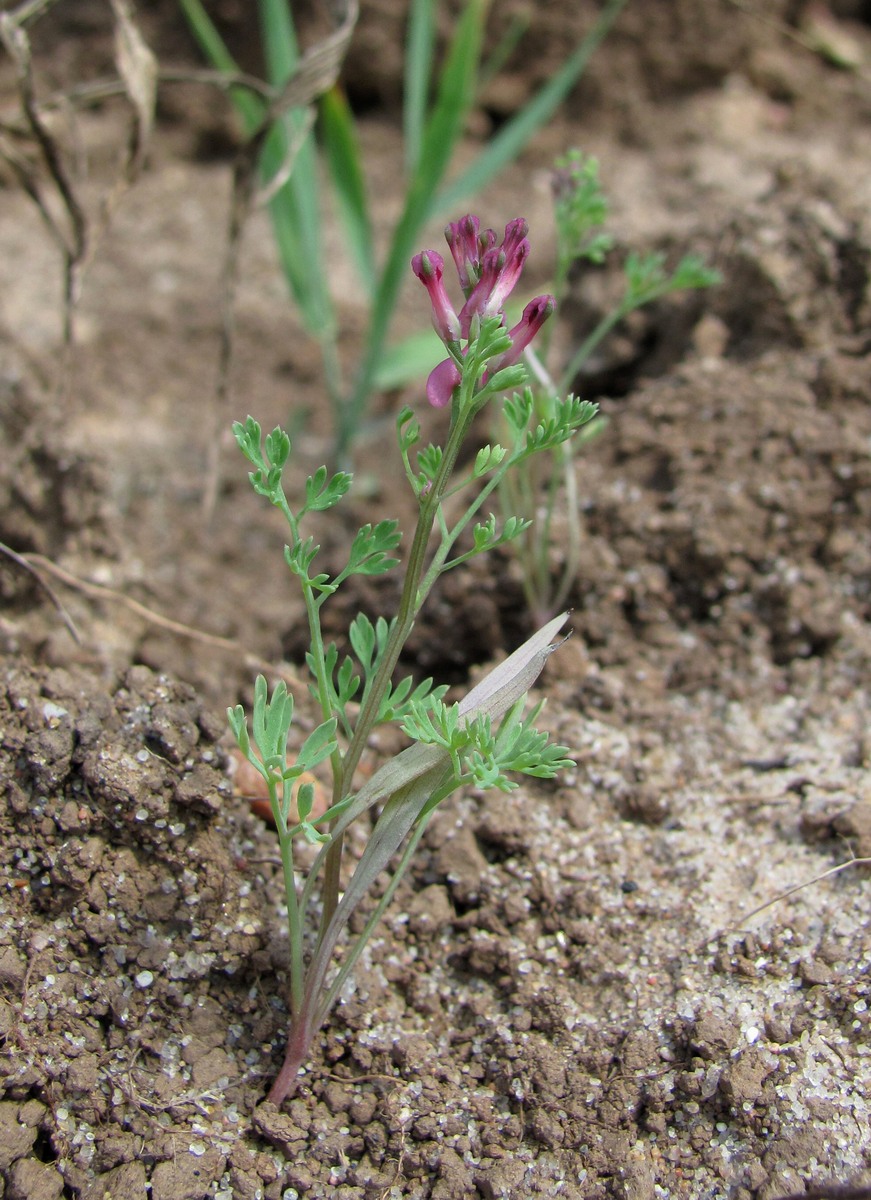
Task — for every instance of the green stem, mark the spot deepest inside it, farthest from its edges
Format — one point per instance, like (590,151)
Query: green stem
(294,921)
(313,617)
(369,711)
(518,490)
(334,856)
(571,563)
(410,600)
(524,486)
(632,299)
(333,861)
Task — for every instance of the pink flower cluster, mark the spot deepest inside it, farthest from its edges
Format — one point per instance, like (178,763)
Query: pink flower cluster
(488,274)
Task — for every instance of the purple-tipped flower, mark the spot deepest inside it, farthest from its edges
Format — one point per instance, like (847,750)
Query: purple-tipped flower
(428,266)
(534,316)
(515,237)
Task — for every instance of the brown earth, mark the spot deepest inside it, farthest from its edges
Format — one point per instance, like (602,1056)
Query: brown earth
(572,994)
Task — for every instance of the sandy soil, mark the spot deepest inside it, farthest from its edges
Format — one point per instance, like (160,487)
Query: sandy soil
(573,994)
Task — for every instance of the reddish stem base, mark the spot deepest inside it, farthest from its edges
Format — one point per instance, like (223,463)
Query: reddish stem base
(298,1044)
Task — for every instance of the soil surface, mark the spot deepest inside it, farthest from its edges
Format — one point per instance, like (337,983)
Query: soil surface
(576,992)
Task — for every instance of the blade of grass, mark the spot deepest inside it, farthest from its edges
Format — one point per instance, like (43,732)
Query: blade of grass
(453,102)
(419,42)
(291,210)
(278,39)
(342,153)
(517,133)
(295,209)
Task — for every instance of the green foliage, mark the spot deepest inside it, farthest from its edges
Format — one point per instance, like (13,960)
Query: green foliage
(517,410)
(370,550)
(524,750)
(267,455)
(487,535)
(481,755)
(267,753)
(487,459)
(647,278)
(565,418)
(277,446)
(580,209)
(300,557)
(342,683)
(399,700)
(428,462)
(488,339)
(319,744)
(504,380)
(369,643)
(321,494)
(271,722)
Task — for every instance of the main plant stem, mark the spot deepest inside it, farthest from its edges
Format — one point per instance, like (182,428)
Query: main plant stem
(409,604)
(296,1052)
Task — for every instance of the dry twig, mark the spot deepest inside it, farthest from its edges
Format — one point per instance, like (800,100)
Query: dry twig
(22,562)
(100,592)
(851,862)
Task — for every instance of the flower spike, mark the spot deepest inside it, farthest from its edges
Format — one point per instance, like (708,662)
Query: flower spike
(488,274)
